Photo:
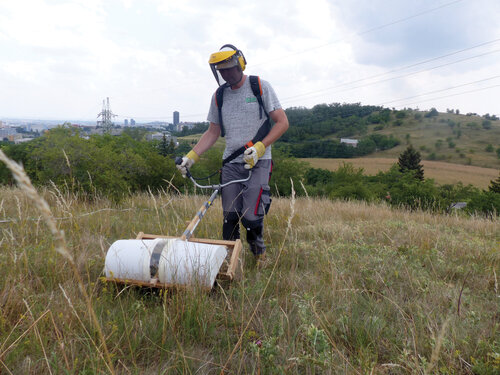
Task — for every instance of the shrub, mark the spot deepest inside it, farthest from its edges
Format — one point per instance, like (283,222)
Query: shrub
(413,193)
(103,164)
(486,124)
(285,169)
(486,202)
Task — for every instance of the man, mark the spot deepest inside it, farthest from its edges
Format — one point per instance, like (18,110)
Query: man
(237,113)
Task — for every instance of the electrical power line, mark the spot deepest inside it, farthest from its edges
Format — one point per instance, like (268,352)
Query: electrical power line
(396,69)
(397,77)
(379,27)
(449,96)
(436,91)
(362,32)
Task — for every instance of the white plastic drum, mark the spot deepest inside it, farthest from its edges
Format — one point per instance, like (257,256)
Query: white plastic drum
(191,263)
(134,259)
(173,260)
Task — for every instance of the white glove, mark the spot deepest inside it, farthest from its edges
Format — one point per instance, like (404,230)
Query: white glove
(187,162)
(252,154)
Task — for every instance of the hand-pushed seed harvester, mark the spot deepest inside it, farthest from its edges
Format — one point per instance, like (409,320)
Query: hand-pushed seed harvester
(165,262)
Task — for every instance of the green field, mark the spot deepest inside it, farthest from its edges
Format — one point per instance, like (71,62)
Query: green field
(441,172)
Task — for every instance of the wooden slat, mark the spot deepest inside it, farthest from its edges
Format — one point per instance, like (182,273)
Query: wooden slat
(235,248)
(233,263)
(151,284)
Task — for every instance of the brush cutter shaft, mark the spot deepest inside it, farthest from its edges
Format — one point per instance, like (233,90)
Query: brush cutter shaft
(199,215)
(203,209)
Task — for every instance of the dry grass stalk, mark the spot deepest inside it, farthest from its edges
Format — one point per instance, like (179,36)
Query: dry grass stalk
(41,204)
(437,348)
(25,184)
(288,229)
(2,354)
(39,338)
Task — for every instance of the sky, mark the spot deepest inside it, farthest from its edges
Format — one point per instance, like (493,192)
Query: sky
(60,59)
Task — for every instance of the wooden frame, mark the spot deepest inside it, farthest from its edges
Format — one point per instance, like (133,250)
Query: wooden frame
(227,271)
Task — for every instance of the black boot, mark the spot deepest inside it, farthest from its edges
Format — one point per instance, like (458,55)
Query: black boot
(231,226)
(255,230)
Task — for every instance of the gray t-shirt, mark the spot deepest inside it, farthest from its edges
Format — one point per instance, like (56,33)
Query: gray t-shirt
(241,115)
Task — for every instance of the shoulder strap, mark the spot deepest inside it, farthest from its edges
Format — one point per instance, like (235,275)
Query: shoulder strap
(219,100)
(263,130)
(257,91)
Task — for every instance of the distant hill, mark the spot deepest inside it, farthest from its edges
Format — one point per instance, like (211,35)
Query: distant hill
(447,137)
(463,139)
(460,139)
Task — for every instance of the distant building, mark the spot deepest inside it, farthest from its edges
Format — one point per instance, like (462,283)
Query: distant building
(8,134)
(1,124)
(22,140)
(114,131)
(159,137)
(350,142)
(176,118)
(125,122)
(132,122)
(458,205)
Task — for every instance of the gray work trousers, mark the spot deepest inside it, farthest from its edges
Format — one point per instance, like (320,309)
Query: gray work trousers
(247,201)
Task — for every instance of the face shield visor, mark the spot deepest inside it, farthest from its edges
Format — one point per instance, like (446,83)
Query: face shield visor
(225,64)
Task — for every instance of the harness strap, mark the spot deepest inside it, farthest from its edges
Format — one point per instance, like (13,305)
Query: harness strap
(263,130)
(261,134)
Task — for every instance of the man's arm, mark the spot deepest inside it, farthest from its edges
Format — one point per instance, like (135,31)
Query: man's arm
(279,128)
(208,139)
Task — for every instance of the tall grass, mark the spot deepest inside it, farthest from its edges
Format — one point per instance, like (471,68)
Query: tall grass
(350,288)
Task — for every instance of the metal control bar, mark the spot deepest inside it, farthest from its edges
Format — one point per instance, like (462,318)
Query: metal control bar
(178,161)
(203,209)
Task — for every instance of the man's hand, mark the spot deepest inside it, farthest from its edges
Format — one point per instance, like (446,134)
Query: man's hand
(252,154)
(187,162)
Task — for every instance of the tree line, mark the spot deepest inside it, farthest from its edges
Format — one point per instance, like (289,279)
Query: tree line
(117,166)
(316,132)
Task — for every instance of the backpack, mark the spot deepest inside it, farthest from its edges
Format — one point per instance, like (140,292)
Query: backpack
(263,130)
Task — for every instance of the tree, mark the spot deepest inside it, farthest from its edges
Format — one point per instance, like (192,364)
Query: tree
(432,113)
(495,185)
(410,160)
(486,124)
(166,148)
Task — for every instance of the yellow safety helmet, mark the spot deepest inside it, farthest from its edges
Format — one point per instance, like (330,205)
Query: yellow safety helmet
(227,57)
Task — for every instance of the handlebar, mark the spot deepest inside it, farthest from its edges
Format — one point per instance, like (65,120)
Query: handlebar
(178,161)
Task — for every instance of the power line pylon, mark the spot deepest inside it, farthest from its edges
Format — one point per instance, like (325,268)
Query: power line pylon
(106,116)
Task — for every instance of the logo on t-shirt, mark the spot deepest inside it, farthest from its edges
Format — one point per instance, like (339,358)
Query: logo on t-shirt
(251,99)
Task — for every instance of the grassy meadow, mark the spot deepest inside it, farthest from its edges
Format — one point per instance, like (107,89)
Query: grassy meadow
(441,172)
(463,143)
(349,288)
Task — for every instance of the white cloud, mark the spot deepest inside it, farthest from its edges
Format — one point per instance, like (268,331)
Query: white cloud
(150,57)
